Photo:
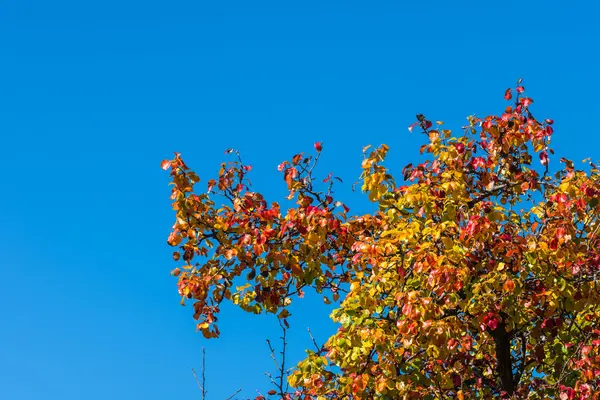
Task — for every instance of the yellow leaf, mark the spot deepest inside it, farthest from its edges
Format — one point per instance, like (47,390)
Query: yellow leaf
(240,288)
(203,325)
(448,243)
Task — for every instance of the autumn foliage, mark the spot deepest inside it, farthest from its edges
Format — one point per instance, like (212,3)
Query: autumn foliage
(477,277)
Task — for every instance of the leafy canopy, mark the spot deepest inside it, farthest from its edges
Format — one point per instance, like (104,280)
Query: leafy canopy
(477,278)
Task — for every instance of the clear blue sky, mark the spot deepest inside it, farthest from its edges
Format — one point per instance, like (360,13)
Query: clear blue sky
(94,94)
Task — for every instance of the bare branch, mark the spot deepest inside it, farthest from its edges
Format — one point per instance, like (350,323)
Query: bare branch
(202,386)
(319,348)
(231,397)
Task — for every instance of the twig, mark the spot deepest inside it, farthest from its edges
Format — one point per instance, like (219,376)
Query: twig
(319,348)
(272,353)
(283,351)
(278,381)
(203,373)
(198,382)
(231,397)
(202,386)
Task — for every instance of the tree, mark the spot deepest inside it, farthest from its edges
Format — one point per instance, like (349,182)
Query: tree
(478,278)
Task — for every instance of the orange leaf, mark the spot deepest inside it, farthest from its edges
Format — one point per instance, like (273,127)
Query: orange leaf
(165,164)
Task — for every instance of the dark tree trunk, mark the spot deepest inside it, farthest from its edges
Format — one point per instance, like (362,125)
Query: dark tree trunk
(503,357)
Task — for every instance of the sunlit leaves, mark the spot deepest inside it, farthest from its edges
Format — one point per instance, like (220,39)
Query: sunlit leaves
(477,277)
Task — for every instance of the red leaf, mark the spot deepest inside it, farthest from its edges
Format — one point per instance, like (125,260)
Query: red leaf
(452,343)
(520,89)
(410,128)
(456,380)
(544,158)
(478,162)
(318,146)
(549,121)
(459,147)
(491,321)
(508,94)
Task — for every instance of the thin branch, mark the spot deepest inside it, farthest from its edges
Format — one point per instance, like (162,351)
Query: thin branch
(272,353)
(279,381)
(202,386)
(198,383)
(282,371)
(487,193)
(203,373)
(319,348)
(231,397)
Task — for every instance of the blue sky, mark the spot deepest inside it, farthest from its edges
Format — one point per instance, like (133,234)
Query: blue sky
(93,95)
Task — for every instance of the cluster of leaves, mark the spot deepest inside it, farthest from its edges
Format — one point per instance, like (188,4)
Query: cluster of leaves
(478,278)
